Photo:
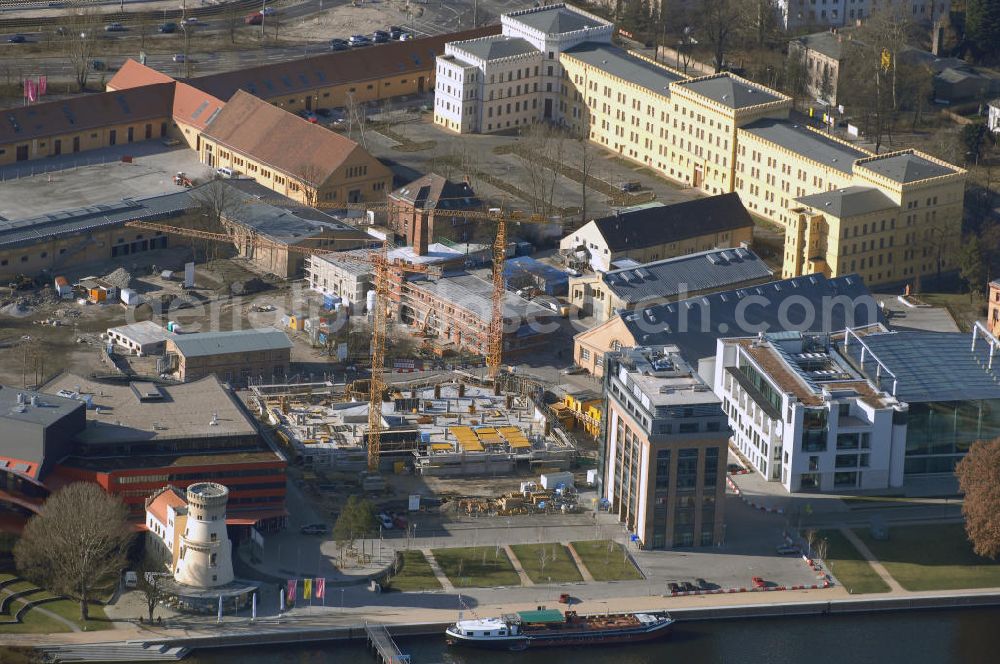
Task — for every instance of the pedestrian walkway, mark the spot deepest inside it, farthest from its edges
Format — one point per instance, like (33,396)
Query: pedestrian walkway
(584,572)
(438,572)
(873,561)
(515,561)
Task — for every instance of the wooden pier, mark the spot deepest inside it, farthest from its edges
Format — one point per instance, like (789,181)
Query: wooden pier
(383,645)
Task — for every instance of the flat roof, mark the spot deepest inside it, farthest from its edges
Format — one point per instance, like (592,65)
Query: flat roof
(495,47)
(170,460)
(685,274)
(201,344)
(187,410)
(144,332)
(907,167)
(808,143)
(930,366)
(475,295)
(730,90)
(849,202)
(49,409)
(626,66)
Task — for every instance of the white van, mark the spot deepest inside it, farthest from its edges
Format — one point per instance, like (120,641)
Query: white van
(225,172)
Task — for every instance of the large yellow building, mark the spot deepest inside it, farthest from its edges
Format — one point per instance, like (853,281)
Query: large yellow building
(721,133)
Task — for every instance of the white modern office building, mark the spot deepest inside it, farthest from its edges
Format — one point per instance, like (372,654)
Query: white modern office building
(512,79)
(801,415)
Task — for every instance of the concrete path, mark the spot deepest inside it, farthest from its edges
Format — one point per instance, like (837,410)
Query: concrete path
(518,567)
(584,572)
(873,561)
(438,572)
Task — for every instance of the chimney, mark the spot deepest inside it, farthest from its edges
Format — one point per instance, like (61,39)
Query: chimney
(420,232)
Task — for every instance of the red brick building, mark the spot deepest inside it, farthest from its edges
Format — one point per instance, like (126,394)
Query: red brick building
(415,212)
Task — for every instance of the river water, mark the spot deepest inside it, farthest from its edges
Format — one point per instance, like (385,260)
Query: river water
(967,636)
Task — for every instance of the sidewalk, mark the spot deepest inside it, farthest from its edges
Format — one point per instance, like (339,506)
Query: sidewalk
(873,561)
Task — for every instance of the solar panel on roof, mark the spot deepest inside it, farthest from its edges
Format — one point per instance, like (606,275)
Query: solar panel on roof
(214,113)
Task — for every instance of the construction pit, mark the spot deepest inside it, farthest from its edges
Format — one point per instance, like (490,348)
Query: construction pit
(443,430)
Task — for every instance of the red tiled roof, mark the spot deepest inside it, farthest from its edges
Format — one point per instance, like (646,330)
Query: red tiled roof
(193,106)
(168,497)
(83,112)
(134,75)
(329,69)
(280,139)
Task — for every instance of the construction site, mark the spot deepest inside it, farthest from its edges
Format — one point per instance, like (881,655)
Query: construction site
(446,429)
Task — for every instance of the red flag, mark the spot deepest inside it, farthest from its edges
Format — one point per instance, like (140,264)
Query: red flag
(291,590)
(320,588)
(43,85)
(32,90)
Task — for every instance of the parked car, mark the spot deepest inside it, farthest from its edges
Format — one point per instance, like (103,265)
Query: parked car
(406,36)
(179,57)
(191,20)
(339,45)
(131,579)
(380,36)
(673,587)
(98,65)
(385,521)
(702,584)
(630,186)
(573,370)
(269,11)
(308,115)
(16,39)
(314,529)
(253,19)
(62,31)
(395,31)
(358,40)
(324,112)
(758,582)
(225,172)
(399,521)
(168,28)
(687,586)
(788,550)
(114,27)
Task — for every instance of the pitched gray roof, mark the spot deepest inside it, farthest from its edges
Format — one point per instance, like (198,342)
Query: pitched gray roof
(653,226)
(493,48)
(239,341)
(282,219)
(806,142)
(686,274)
(695,324)
(33,229)
(731,91)
(907,167)
(849,202)
(826,43)
(556,19)
(624,65)
(931,366)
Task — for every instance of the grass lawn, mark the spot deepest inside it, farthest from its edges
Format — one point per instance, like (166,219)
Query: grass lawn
(605,561)
(559,566)
(415,575)
(34,623)
(850,567)
(933,557)
(71,611)
(477,566)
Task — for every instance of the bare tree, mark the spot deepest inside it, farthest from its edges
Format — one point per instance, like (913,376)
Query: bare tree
(234,19)
(80,44)
(76,544)
(549,141)
(718,22)
(587,157)
(149,583)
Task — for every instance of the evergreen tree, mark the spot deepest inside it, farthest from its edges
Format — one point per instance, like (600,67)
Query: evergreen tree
(982,27)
